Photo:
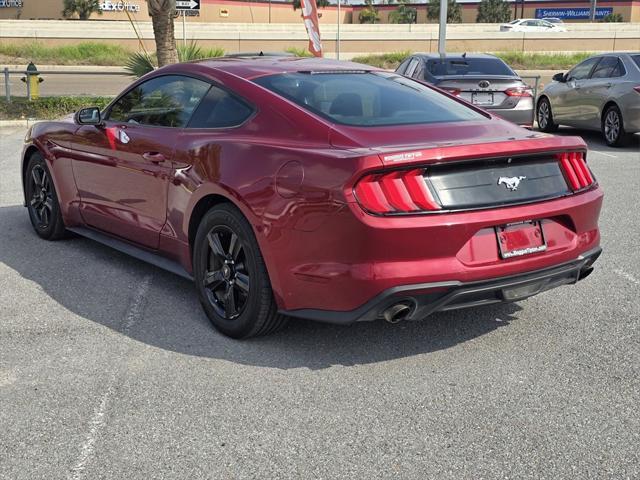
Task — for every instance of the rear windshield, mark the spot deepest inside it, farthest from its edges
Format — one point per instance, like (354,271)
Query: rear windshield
(468,66)
(636,58)
(368,98)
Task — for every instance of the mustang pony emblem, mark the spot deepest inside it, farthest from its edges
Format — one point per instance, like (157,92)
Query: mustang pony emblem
(511,182)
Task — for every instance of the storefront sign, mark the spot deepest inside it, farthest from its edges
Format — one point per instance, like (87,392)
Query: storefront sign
(572,13)
(118,6)
(10,3)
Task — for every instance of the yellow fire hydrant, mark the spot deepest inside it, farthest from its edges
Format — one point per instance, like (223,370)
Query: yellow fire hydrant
(33,81)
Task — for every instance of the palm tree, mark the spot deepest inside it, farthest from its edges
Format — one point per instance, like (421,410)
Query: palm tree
(493,11)
(162,13)
(84,8)
(454,12)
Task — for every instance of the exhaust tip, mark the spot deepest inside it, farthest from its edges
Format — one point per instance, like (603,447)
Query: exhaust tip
(397,312)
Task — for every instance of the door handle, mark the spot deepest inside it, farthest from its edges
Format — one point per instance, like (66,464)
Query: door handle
(154,157)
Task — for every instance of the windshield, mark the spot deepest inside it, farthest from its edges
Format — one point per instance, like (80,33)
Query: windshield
(468,66)
(368,98)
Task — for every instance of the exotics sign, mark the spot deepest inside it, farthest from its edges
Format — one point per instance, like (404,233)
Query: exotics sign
(572,13)
(117,6)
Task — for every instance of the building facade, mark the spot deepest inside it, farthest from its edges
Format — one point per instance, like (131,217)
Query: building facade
(264,11)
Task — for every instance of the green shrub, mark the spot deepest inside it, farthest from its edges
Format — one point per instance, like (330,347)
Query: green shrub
(46,108)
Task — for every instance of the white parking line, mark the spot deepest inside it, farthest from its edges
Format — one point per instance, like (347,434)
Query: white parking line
(603,153)
(98,421)
(627,276)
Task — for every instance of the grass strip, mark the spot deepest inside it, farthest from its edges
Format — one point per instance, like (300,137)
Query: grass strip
(47,108)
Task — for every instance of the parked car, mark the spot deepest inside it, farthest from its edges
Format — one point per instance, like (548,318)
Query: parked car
(601,93)
(481,79)
(533,25)
(318,189)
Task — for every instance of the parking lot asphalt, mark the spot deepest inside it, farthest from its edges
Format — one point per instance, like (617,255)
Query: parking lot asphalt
(109,370)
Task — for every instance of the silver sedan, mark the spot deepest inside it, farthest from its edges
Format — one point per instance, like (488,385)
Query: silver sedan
(601,93)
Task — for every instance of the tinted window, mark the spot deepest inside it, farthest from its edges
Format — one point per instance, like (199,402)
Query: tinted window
(403,66)
(581,71)
(468,66)
(636,58)
(608,67)
(368,98)
(220,109)
(412,67)
(166,101)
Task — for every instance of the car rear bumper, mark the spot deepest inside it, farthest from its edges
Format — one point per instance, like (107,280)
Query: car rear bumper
(521,114)
(415,302)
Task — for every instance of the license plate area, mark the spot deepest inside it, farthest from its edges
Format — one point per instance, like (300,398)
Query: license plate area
(522,238)
(482,98)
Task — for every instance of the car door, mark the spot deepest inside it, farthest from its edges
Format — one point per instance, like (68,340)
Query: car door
(122,167)
(567,102)
(598,89)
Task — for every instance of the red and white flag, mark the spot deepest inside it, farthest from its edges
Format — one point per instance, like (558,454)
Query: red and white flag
(310,17)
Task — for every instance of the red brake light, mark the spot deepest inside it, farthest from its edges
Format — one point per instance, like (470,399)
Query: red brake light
(395,192)
(637,89)
(575,168)
(518,92)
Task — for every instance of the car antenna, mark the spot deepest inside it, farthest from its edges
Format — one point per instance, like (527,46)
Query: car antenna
(464,55)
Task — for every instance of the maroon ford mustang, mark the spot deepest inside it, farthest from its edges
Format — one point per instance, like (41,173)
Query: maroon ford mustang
(317,189)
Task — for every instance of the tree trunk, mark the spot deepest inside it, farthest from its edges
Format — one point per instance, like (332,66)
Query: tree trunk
(161,12)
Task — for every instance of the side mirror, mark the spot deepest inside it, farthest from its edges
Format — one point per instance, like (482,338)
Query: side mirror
(559,77)
(88,116)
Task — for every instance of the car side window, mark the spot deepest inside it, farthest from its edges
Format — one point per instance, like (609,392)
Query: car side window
(411,67)
(419,71)
(403,66)
(618,70)
(167,101)
(582,70)
(606,68)
(220,109)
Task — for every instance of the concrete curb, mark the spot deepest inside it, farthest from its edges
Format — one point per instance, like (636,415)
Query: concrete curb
(18,123)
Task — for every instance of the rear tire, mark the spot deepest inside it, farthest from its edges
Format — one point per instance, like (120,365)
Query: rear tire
(42,200)
(544,116)
(231,277)
(613,128)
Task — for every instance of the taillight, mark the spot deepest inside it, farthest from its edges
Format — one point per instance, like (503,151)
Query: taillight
(518,92)
(395,192)
(637,89)
(576,170)
(452,91)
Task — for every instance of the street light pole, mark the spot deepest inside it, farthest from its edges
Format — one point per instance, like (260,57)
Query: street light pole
(442,31)
(594,5)
(338,34)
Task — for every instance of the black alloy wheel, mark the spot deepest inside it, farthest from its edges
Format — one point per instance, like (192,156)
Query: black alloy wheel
(231,277)
(42,200)
(226,280)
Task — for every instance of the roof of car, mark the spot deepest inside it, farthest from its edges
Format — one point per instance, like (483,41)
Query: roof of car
(257,66)
(456,56)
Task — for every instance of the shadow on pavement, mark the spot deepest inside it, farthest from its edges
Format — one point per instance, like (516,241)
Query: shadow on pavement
(93,282)
(595,141)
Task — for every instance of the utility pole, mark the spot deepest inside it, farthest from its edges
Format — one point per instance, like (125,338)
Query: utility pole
(594,5)
(442,31)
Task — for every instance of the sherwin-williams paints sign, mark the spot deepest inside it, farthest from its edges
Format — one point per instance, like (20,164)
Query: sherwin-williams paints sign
(572,13)
(10,3)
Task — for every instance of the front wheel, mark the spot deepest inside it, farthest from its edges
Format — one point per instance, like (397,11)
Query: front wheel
(613,127)
(545,117)
(42,200)
(231,277)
